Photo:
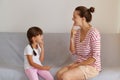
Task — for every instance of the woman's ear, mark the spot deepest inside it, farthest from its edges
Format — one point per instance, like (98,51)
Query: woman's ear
(84,19)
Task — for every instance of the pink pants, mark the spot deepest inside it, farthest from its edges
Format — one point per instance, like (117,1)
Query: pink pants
(33,73)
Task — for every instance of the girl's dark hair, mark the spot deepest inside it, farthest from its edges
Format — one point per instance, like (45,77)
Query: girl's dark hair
(84,12)
(33,32)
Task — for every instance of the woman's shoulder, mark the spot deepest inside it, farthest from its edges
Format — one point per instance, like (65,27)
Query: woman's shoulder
(94,30)
(94,33)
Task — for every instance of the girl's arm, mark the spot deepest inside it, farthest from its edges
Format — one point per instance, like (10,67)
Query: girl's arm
(42,52)
(30,60)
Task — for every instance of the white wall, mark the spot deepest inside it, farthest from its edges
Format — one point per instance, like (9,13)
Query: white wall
(55,15)
(118,30)
(106,16)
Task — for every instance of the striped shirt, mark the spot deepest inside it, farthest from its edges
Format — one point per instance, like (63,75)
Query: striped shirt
(89,47)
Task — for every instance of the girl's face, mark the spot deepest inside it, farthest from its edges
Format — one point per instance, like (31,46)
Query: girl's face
(38,39)
(77,19)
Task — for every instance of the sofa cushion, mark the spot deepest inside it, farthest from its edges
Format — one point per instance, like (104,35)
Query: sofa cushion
(57,55)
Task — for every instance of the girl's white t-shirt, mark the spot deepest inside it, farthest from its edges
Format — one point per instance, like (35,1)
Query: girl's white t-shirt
(29,51)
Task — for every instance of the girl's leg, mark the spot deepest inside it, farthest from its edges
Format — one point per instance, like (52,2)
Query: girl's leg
(45,74)
(32,74)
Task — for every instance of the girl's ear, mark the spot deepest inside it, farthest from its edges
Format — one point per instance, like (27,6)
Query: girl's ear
(41,36)
(33,39)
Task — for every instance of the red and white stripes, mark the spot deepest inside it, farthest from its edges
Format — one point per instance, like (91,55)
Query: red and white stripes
(90,46)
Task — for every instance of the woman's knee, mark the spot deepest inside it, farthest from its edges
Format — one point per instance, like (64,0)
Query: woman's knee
(66,76)
(61,71)
(76,76)
(58,73)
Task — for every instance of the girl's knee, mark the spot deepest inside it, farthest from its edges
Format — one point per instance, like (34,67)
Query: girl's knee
(49,77)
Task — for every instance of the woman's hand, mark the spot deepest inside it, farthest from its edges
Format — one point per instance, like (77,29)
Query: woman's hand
(74,30)
(72,66)
(72,39)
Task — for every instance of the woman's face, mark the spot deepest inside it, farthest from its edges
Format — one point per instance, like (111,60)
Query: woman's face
(77,19)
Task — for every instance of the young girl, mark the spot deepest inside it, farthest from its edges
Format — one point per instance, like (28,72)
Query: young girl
(34,55)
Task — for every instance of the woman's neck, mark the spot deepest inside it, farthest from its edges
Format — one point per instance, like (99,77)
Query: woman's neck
(85,27)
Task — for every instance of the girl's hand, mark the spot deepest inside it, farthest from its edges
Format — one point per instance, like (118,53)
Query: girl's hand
(47,67)
(41,43)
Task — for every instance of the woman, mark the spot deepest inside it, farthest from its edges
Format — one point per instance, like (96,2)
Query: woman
(85,46)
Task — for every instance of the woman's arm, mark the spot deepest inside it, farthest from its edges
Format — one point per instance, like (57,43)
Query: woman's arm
(89,61)
(72,45)
(30,60)
(72,40)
